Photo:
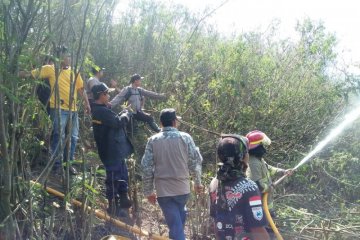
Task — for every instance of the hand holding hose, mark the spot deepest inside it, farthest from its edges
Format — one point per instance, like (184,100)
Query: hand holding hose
(288,172)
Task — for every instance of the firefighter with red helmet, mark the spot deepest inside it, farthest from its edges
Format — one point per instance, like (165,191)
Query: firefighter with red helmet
(259,171)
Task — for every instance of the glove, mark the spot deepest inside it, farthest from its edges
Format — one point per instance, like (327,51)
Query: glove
(125,115)
(125,112)
(289,172)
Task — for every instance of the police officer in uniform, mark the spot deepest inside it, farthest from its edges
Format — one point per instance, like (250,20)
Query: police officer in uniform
(113,148)
(235,201)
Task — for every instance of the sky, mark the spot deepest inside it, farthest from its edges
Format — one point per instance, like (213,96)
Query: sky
(341,17)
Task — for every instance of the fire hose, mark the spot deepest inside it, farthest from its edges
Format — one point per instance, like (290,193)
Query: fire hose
(269,218)
(266,208)
(100,214)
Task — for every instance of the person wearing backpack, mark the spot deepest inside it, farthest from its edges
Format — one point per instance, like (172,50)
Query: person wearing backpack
(134,95)
(65,79)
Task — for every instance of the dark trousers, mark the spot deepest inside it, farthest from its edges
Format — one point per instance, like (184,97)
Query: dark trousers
(116,182)
(144,117)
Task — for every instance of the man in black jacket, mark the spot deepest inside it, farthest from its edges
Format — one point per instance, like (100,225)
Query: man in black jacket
(113,148)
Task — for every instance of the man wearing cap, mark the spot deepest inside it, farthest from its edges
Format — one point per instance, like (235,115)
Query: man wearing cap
(113,148)
(170,157)
(92,81)
(134,95)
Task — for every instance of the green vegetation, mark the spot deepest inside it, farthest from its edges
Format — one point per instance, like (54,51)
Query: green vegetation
(231,85)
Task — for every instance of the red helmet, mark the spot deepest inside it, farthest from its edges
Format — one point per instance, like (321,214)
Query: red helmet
(256,138)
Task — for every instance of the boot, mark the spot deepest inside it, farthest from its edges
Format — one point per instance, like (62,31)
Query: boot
(124,201)
(114,208)
(154,126)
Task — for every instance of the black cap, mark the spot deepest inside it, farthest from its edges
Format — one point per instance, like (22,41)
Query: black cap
(100,88)
(135,77)
(61,49)
(48,58)
(168,114)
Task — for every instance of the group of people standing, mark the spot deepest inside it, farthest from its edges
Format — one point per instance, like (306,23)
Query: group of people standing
(171,157)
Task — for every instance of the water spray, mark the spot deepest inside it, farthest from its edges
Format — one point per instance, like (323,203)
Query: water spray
(349,118)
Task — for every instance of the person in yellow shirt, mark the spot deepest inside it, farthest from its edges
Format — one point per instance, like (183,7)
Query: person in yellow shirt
(64,101)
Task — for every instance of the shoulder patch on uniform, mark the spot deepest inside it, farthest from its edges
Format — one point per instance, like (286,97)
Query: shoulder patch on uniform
(257,213)
(235,193)
(255,201)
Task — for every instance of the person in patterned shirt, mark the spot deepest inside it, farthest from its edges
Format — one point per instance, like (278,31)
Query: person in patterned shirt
(235,201)
(170,157)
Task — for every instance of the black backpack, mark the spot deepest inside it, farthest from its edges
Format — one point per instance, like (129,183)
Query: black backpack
(43,92)
(129,93)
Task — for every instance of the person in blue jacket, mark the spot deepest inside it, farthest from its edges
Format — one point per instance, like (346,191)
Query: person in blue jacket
(113,148)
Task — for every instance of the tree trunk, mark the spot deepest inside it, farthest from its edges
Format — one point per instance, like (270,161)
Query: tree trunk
(7,229)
